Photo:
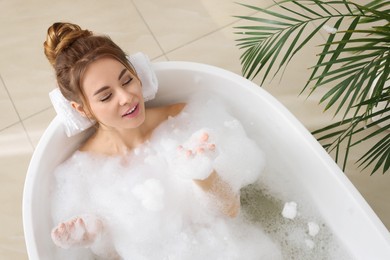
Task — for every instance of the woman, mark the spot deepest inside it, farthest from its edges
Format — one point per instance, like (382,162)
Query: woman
(96,76)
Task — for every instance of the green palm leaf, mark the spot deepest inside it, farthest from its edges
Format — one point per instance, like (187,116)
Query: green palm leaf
(354,63)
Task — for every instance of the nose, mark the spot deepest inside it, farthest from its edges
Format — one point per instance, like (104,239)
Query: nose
(124,97)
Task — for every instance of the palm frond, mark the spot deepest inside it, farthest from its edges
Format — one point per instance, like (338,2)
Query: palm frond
(354,63)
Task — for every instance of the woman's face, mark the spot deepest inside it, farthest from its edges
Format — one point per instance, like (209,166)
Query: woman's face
(114,94)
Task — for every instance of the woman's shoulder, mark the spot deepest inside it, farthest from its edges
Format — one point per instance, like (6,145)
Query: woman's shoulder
(168,110)
(175,109)
(158,115)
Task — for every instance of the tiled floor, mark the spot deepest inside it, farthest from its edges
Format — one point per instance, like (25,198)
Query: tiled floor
(191,30)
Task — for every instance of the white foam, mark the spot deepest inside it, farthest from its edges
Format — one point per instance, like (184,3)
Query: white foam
(314,228)
(151,194)
(149,203)
(290,210)
(309,243)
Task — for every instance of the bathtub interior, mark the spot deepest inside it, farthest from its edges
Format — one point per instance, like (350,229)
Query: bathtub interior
(297,166)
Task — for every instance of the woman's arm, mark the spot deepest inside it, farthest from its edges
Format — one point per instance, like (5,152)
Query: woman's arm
(228,200)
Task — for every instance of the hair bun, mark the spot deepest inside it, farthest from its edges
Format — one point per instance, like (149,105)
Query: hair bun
(59,37)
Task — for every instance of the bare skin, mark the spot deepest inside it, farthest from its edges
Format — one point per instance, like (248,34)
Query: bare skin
(79,231)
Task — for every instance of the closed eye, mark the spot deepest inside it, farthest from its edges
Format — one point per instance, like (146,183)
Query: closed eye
(106,98)
(127,82)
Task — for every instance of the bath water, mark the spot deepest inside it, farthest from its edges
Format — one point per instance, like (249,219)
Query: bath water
(262,208)
(153,210)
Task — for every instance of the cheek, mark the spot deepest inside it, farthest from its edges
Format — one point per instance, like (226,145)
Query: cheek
(102,111)
(139,86)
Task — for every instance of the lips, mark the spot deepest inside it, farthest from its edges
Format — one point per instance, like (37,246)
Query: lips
(131,111)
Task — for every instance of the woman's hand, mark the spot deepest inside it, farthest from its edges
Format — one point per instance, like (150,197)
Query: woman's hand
(80,231)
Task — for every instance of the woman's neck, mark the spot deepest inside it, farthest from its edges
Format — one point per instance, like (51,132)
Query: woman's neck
(120,141)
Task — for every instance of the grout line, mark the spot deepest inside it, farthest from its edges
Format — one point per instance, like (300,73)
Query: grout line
(211,32)
(30,116)
(9,126)
(201,37)
(159,56)
(36,113)
(165,53)
(150,30)
(10,98)
(17,113)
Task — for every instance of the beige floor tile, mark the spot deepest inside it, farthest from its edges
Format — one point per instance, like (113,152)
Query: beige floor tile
(177,22)
(15,154)
(217,49)
(37,124)
(161,58)
(23,65)
(8,112)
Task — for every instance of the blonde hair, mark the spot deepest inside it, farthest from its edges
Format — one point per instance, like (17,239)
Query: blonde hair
(71,49)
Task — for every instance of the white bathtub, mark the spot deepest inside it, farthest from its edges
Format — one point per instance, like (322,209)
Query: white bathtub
(292,154)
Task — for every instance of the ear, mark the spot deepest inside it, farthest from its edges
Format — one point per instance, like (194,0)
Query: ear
(79,108)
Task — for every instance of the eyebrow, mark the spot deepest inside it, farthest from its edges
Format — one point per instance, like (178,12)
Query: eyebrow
(106,87)
(101,90)
(122,73)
